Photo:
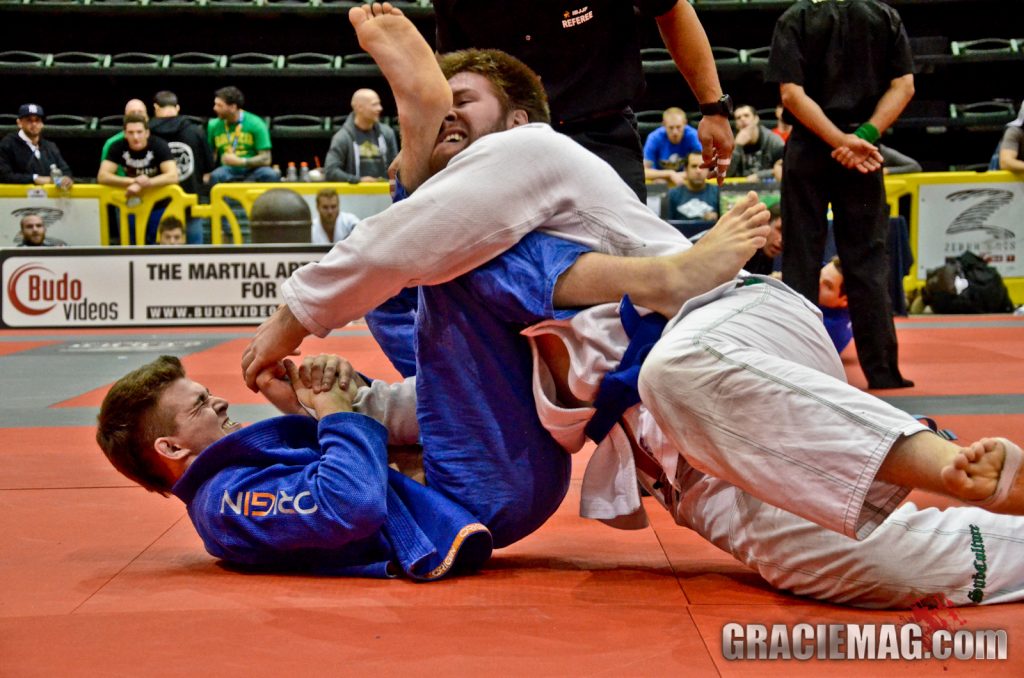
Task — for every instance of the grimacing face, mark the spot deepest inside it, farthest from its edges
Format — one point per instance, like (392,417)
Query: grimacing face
(200,419)
(476,112)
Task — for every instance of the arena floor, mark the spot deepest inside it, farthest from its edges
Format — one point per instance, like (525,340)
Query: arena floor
(101,578)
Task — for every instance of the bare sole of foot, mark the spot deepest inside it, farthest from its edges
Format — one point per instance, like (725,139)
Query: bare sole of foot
(421,91)
(987,474)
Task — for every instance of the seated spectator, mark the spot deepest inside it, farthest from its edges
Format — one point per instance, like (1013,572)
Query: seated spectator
(146,161)
(171,231)
(763,261)
(27,158)
(240,141)
(667,148)
(782,128)
(330,224)
(1011,148)
(33,233)
(133,107)
(695,201)
(364,147)
(895,162)
(757,149)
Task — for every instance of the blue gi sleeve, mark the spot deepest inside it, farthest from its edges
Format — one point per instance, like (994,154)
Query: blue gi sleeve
(259,514)
(519,284)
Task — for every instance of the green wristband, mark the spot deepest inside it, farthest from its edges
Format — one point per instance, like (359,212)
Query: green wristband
(868,133)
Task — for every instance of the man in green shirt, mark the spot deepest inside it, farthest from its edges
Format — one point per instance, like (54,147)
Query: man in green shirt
(240,141)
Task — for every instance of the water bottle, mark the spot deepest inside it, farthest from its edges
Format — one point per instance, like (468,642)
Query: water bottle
(304,172)
(57,177)
(290,174)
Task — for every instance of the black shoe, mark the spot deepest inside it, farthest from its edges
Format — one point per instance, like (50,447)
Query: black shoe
(897,382)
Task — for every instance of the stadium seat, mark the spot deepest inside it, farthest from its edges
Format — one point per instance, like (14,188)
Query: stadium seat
(80,60)
(647,122)
(67,121)
(139,60)
(255,60)
(360,61)
(198,60)
(312,60)
(985,47)
(726,56)
(757,56)
(997,111)
(111,122)
(22,58)
(298,121)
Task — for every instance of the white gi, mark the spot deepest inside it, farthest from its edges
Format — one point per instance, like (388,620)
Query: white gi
(531,178)
(720,374)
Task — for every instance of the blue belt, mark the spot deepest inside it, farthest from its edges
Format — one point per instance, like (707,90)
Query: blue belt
(618,390)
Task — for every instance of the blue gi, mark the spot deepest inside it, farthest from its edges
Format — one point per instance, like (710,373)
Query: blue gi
(484,445)
(293,493)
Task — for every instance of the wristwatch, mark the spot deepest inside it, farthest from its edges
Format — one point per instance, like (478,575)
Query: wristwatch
(722,107)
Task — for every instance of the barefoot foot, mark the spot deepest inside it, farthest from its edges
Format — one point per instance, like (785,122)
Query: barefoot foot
(421,91)
(986,473)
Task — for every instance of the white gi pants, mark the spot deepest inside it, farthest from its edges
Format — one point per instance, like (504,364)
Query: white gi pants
(746,382)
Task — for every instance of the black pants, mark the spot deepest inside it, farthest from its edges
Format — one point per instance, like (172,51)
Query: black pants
(811,179)
(616,140)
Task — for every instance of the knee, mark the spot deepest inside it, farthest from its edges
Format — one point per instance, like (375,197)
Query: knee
(663,376)
(265,175)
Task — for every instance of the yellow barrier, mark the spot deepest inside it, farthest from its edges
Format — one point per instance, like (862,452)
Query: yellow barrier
(107,196)
(245,194)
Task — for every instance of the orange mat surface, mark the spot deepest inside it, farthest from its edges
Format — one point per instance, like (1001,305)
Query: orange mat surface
(101,578)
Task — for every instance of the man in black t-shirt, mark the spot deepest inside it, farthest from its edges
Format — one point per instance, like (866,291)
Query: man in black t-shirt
(147,161)
(588,57)
(845,72)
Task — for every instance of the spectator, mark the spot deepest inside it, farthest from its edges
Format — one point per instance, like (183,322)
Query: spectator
(589,61)
(240,141)
(25,157)
(763,261)
(188,144)
(757,149)
(147,162)
(667,148)
(1011,148)
(330,224)
(834,304)
(364,147)
(841,90)
(133,107)
(171,231)
(782,128)
(33,233)
(695,201)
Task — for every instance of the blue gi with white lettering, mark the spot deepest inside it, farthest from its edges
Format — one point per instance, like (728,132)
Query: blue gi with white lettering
(293,493)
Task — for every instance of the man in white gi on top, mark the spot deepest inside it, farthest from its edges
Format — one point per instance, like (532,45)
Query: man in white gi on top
(743,384)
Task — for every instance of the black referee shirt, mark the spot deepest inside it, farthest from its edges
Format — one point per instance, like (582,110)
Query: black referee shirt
(844,53)
(587,53)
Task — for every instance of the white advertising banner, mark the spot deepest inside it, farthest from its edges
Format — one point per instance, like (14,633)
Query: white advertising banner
(146,286)
(76,221)
(985,218)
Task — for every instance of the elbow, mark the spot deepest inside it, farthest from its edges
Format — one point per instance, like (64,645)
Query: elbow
(367,517)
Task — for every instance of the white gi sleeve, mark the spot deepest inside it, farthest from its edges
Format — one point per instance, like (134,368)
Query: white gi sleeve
(393,405)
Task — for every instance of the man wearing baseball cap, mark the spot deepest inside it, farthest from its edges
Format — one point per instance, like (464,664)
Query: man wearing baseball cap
(27,158)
